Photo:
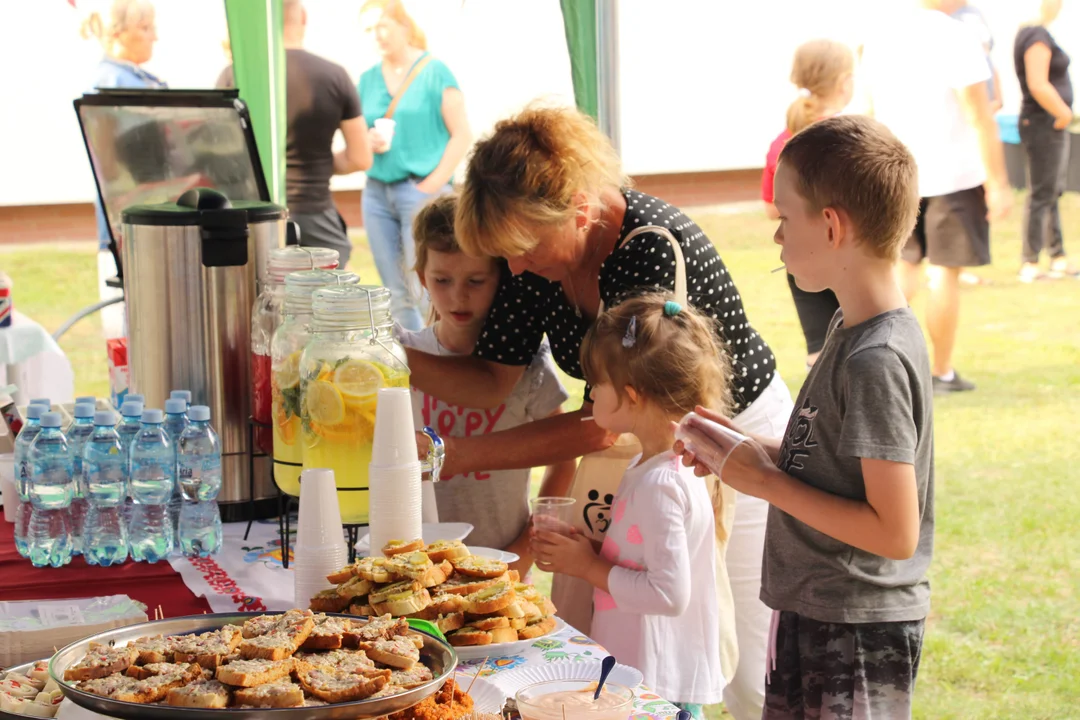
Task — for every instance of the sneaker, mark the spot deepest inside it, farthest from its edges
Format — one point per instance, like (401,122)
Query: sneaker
(1062,267)
(957,384)
(1030,272)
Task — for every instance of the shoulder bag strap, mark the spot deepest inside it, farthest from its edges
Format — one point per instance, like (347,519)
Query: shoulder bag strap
(416,68)
(680,265)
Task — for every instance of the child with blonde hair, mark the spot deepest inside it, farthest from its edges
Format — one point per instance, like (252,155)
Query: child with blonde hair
(495,501)
(823,70)
(650,360)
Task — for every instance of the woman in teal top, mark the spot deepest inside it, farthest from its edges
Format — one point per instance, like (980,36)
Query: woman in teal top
(416,158)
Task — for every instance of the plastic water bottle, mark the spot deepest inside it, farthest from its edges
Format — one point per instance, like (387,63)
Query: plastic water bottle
(184,395)
(130,424)
(23,473)
(133,397)
(41,401)
(105,478)
(176,420)
(86,399)
(51,488)
(152,476)
(77,435)
(198,459)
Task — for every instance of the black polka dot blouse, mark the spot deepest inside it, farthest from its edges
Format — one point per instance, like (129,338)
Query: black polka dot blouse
(527,307)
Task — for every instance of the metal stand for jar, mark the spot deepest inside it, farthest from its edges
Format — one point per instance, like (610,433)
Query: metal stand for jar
(431,465)
(287,502)
(252,506)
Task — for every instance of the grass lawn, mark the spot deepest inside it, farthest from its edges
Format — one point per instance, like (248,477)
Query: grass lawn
(1004,635)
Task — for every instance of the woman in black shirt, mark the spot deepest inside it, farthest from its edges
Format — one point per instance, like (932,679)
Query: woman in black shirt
(1043,70)
(546,192)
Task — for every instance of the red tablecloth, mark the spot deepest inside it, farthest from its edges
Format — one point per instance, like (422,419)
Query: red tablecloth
(152,584)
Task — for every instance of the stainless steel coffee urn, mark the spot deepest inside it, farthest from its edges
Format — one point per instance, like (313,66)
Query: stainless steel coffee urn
(190,273)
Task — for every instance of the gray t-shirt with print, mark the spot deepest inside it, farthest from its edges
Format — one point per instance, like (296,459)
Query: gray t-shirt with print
(496,503)
(869,395)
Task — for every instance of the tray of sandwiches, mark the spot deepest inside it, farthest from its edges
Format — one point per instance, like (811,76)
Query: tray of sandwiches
(297,665)
(27,690)
(481,606)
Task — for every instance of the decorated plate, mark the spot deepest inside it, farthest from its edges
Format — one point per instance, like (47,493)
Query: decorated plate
(511,681)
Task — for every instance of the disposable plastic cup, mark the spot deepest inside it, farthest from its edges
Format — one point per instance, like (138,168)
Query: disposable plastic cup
(395,441)
(709,441)
(8,488)
(386,127)
(553,514)
(319,522)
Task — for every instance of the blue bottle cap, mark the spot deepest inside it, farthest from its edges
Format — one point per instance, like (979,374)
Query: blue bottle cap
(34,412)
(52,420)
(86,398)
(41,401)
(84,410)
(131,408)
(199,413)
(175,406)
(135,398)
(184,395)
(153,416)
(104,417)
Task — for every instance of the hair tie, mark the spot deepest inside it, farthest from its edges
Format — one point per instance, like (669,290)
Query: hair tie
(805,92)
(672,308)
(630,338)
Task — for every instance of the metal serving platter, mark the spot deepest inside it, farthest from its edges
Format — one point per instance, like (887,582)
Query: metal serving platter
(436,654)
(23,669)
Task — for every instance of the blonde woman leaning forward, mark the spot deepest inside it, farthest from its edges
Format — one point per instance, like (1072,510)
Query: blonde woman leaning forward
(547,192)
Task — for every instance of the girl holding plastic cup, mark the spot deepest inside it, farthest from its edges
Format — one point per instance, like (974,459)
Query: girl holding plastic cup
(658,577)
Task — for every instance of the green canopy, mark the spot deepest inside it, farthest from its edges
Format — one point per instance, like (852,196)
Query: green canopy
(255,34)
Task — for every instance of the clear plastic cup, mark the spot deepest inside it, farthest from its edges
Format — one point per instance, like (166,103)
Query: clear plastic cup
(709,441)
(553,514)
(573,700)
(386,127)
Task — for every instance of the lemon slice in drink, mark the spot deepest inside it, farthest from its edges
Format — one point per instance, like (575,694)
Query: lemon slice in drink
(288,374)
(358,381)
(324,403)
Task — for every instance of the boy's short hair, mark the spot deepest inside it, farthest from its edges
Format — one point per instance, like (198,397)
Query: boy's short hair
(853,163)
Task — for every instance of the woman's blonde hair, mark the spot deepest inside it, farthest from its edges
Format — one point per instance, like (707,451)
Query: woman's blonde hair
(395,10)
(525,174)
(672,357)
(819,70)
(122,14)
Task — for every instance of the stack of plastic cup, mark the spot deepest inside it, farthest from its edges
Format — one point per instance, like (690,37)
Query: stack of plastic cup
(320,542)
(395,498)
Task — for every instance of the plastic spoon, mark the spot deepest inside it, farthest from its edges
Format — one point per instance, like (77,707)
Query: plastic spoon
(606,666)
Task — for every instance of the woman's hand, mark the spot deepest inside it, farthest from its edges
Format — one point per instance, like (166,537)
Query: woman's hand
(570,555)
(428,188)
(1063,120)
(378,142)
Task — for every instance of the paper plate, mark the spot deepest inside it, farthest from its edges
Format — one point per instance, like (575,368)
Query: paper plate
(506,557)
(511,681)
(498,650)
(431,532)
(486,695)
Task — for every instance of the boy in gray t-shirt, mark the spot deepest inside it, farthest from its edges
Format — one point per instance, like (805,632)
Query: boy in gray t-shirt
(851,484)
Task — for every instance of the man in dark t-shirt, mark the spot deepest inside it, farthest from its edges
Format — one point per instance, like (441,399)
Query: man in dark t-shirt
(320,98)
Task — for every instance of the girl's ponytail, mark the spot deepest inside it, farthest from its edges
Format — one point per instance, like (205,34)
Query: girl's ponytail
(819,70)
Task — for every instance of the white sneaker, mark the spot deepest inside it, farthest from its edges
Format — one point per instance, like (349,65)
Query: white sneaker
(1061,267)
(1030,272)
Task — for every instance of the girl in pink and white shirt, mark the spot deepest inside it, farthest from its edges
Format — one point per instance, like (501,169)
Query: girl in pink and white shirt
(650,361)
